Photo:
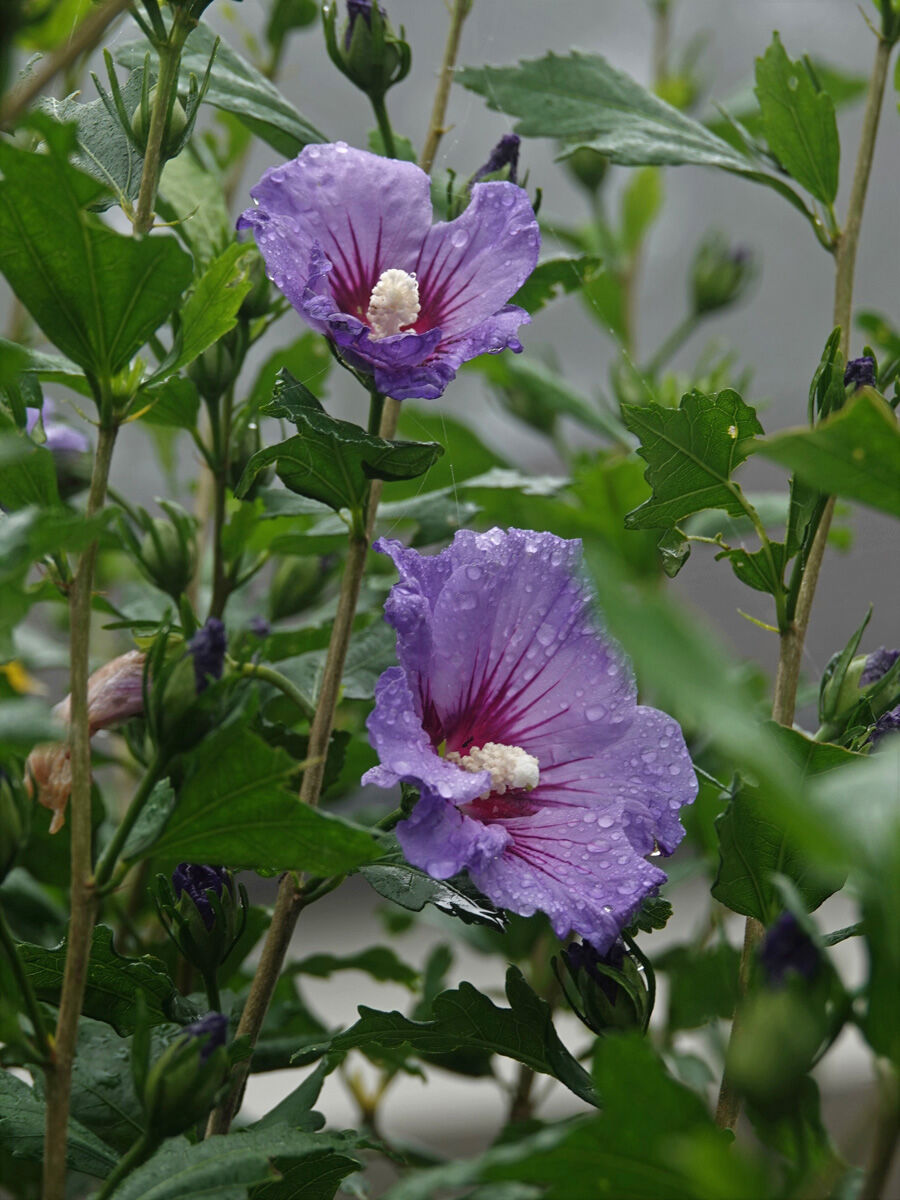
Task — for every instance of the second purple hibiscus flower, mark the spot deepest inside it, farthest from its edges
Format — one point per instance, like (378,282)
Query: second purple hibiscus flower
(347,237)
(517,720)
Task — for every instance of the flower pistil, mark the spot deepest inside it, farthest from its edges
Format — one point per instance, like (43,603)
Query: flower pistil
(511,767)
(394,303)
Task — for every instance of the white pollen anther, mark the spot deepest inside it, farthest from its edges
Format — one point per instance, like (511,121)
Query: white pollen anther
(511,767)
(394,303)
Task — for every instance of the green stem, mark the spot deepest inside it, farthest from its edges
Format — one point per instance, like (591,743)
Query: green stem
(291,898)
(108,859)
(84,900)
(166,89)
(384,125)
(213,999)
(672,343)
(139,1152)
(82,41)
(284,685)
(24,985)
(436,128)
(887,1134)
(787,677)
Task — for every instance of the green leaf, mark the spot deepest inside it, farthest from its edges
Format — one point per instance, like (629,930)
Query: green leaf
(332,460)
(239,88)
(174,404)
(150,824)
(378,961)
(691,452)
(703,984)
(403,147)
(308,359)
(583,100)
(22,1117)
(234,808)
(653,915)
(30,479)
(212,307)
(412,889)
(113,982)
(798,122)
(556,277)
(854,453)
(97,295)
(654,1137)
(761,569)
(227,1167)
(193,199)
(466,1019)
(104,150)
(754,848)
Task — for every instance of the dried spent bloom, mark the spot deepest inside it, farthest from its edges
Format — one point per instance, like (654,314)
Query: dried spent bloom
(504,154)
(115,693)
(860,372)
(207,647)
(516,719)
(195,881)
(347,237)
(788,949)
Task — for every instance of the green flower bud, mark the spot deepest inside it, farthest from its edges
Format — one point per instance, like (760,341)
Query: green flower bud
(369,53)
(203,912)
(296,584)
(168,556)
(720,274)
(258,300)
(588,168)
(606,991)
(182,1085)
(214,371)
(243,446)
(175,127)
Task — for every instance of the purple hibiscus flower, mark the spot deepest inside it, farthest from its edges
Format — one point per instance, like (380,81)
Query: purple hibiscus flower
(517,720)
(347,236)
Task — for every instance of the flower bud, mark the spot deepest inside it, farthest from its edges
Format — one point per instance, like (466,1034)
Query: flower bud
(609,990)
(720,274)
(369,53)
(203,912)
(214,371)
(503,161)
(115,694)
(14,823)
(207,647)
(182,1084)
(244,445)
(860,372)
(788,949)
(296,583)
(169,556)
(175,126)
(70,448)
(258,300)
(588,167)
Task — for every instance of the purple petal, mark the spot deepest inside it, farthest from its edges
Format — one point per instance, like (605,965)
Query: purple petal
(442,841)
(366,213)
(497,333)
(574,864)
(405,750)
(469,268)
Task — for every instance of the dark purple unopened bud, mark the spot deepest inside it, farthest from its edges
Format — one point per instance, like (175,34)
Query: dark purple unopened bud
(888,722)
(195,881)
(878,663)
(355,10)
(504,154)
(260,626)
(213,1028)
(860,372)
(788,948)
(207,647)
